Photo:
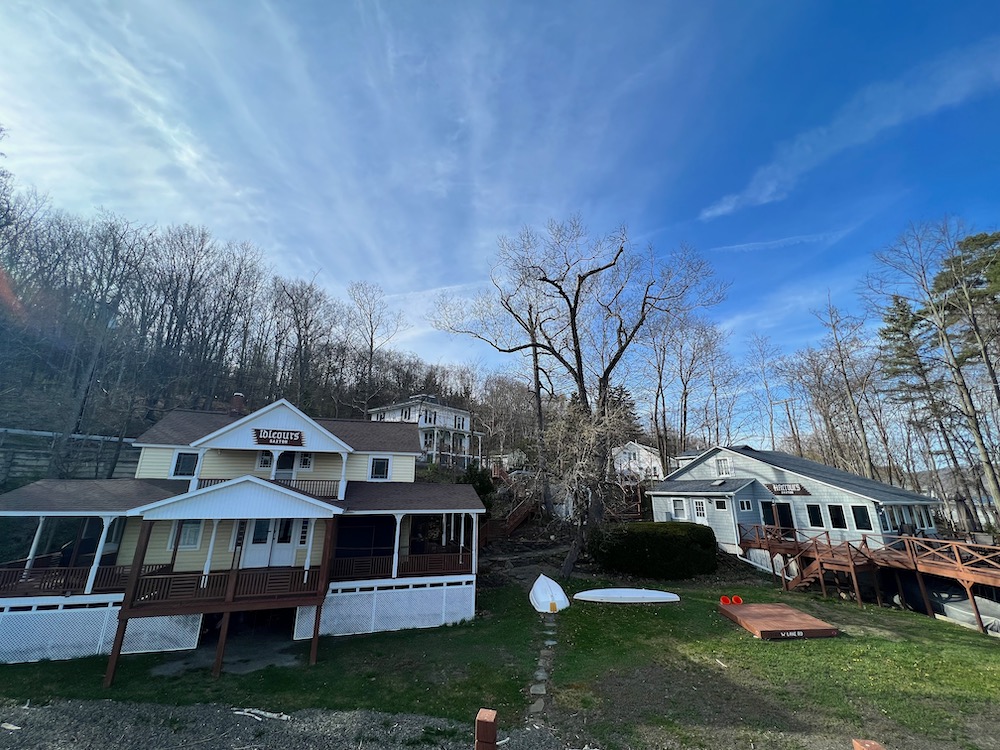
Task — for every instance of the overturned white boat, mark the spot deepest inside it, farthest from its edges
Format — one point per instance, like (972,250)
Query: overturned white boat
(547,595)
(627,596)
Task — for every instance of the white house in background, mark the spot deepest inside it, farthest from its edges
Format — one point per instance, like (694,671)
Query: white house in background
(446,434)
(275,510)
(732,487)
(635,462)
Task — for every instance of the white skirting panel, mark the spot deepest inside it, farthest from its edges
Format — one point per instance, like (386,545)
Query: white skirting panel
(759,559)
(70,630)
(350,610)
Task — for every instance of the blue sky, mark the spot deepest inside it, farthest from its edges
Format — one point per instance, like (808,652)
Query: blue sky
(394,141)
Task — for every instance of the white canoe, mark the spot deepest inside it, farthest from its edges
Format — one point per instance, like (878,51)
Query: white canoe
(547,595)
(627,596)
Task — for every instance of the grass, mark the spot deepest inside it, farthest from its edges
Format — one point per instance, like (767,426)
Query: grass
(677,675)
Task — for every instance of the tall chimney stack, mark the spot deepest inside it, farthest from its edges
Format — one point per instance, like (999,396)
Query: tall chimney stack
(237,405)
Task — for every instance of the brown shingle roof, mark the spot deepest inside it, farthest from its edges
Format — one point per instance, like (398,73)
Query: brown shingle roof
(88,496)
(406,496)
(184,426)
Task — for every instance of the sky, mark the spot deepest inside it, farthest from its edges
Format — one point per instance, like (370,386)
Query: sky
(395,141)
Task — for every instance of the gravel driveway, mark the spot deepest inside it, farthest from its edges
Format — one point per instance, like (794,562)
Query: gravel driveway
(81,725)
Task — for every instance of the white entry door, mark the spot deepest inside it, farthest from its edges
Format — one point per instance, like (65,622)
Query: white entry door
(700,515)
(269,542)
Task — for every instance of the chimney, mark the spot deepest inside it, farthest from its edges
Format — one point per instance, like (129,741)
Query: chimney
(237,405)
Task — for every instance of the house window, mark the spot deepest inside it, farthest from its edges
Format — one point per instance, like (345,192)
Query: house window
(723,467)
(699,509)
(189,537)
(862,519)
(306,461)
(304,533)
(381,417)
(185,464)
(679,510)
(428,440)
(815,516)
(746,505)
(720,504)
(379,468)
(406,414)
(837,518)
(265,460)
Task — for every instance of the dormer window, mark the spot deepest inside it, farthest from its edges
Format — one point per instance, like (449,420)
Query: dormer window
(185,464)
(379,468)
(723,467)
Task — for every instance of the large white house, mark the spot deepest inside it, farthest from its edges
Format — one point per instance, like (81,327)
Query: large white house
(231,513)
(734,488)
(635,462)
(446,434)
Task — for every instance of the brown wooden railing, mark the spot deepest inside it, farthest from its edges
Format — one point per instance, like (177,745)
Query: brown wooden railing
(250,584)
(60,581)
(361,568)
(314,487)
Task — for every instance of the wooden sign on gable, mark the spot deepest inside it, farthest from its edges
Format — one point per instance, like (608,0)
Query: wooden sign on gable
(789,488)
(279,437)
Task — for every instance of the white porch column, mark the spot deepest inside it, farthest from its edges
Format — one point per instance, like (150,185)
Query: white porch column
(196,477)
(342,487)
(395,546)
(451,527)
(309,545)
(461,539)
(92,576)
(475,543)
(208,558)
(34,544)
(274,463)
(444,529)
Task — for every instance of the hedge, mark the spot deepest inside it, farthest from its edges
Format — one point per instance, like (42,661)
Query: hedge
(668,551)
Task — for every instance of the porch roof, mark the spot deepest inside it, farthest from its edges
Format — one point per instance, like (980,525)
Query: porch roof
(700,486)
(87,497)
(405,497)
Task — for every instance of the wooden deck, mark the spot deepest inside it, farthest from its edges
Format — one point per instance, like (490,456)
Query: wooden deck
(777,622)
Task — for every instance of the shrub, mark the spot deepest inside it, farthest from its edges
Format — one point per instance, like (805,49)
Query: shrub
(668,551)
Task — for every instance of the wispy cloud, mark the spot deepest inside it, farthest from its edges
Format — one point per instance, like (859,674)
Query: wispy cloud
(823,238)
(946,82)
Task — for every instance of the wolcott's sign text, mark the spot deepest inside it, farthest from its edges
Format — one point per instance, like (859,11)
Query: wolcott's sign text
(278,437)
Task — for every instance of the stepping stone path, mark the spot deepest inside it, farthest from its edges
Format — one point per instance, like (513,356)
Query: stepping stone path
(539,688)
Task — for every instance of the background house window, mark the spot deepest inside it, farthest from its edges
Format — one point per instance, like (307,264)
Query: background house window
(837,518)
(720,504)
(379,468)
(862,519)
(306,461)
(265,460)
(406,414)
(679,510)
(185,464)
(815,516)
(190,535)
(746,504)
(723,467)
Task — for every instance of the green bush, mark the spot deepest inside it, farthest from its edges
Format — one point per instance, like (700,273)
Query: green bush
(668,551)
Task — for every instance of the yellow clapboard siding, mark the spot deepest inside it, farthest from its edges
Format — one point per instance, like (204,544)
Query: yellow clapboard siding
(154,463)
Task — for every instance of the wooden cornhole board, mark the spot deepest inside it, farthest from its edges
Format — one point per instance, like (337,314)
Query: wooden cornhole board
(777,622)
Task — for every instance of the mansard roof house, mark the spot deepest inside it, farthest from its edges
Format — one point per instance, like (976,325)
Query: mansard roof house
(231,513)
(446,434)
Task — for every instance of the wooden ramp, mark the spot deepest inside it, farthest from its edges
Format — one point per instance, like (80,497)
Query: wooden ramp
(774,622)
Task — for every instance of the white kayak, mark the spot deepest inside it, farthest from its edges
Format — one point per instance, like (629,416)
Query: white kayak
(627,596)
(547,595)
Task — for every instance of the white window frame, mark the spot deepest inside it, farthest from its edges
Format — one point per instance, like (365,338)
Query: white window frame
(302,538)
(371,468)
(265,460)
(746,505)
(822,524)
(305,461)
(723,466)
(829,510)
(173,465)
(721,501)
(181,545)
(700,508)
(428,441)
(673,507)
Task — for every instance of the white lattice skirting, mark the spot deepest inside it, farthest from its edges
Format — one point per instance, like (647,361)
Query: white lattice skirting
(32,631)
(377,607)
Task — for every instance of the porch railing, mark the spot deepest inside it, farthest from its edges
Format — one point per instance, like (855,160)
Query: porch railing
(62,581)
(314,487)
(250,584)
(361,568)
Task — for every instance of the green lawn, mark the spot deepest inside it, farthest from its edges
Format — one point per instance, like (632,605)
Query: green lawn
(676,675)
